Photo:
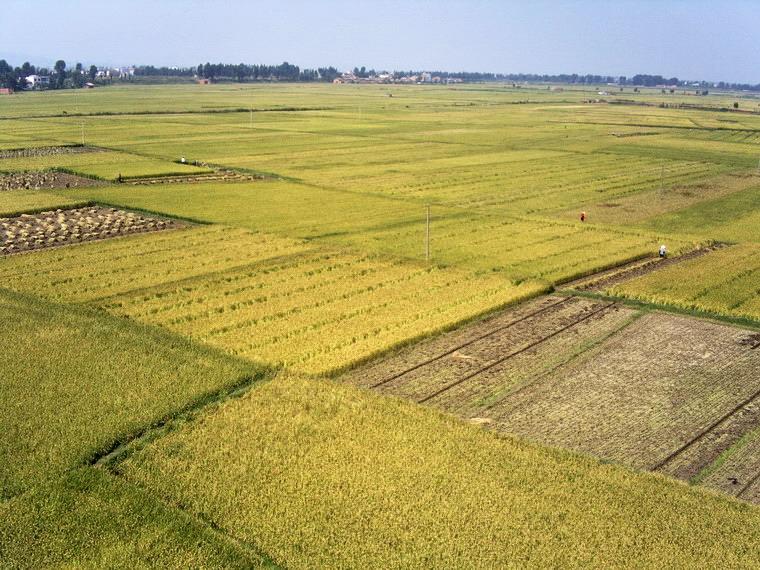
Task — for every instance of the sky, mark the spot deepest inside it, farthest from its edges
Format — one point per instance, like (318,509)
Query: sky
(690,39)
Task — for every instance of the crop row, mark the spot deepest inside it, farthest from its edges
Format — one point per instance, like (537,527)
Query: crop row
(726,281)
(519,248)
(96,270)
(319,312)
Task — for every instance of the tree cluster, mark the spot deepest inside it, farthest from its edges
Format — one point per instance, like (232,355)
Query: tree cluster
(60,77)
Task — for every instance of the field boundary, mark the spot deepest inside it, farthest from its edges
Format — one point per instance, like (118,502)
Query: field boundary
(740,322)
(122,447)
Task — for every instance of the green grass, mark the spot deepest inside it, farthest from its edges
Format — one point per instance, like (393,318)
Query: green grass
(325,475)
(273,206)
(75,381)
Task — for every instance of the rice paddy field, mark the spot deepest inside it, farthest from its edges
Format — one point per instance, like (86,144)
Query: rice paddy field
(324,339)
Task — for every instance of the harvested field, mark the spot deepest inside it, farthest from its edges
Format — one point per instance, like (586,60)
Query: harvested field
(645,396)
(738,470)
(29,232)
(44,180)
(46,151)
(469,373)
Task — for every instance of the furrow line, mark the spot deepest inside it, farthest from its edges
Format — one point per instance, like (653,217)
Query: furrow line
(515,353)
(704,433)
(746,487)
(468,343)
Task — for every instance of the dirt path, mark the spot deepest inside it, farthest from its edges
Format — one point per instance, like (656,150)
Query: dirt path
(604,279)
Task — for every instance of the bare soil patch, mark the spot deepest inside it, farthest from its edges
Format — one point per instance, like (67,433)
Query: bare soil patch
(45,181)
(464,371)
(29,232)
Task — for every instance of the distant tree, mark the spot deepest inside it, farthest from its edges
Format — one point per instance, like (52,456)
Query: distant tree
(60,73)
(93,72)
(77,76)
(27,69)
(8,76)
(736,104)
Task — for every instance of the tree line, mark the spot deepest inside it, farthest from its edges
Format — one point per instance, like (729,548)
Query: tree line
(62,77)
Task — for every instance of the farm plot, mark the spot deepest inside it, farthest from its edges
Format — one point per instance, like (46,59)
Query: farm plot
(469,374)
(26,201)
(322,311)
(99,270)
(75,381)
(645,397)
(278,207)
(320,474)
(42,180)
(98,163)
(90,519)
(532,186)
(519,248)
(726,282)
(34,152)
(732,218)
(63,227)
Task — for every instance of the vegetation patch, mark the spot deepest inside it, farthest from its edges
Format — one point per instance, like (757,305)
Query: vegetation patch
(75,381)
(321,474)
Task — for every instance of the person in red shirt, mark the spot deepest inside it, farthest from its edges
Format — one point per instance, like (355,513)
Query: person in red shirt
(583,216)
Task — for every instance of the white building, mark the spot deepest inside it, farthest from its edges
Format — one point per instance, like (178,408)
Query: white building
(37,81)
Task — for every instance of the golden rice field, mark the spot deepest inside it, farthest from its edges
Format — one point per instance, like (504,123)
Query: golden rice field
(140,434)
(725,282)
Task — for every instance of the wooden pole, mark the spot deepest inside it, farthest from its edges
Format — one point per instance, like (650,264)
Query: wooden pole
(427,234)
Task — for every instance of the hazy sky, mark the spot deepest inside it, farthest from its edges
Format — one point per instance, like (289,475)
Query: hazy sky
(718,40)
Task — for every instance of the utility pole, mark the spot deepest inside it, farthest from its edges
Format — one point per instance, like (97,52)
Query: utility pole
(662,179)
(251,117)
(82,124)
(427,234)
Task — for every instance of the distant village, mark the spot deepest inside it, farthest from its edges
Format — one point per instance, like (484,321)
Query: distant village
(424,77)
